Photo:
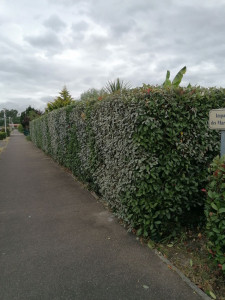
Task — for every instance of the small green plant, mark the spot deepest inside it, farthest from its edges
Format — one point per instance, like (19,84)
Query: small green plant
(215,211)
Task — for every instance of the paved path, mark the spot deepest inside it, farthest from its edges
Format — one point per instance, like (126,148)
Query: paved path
(58,242)
(3,143)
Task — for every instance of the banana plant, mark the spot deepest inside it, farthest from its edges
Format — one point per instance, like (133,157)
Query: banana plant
(177,79)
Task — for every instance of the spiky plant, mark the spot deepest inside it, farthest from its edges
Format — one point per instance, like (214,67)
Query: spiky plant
(116,86)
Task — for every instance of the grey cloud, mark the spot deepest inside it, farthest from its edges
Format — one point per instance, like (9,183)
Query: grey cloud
(64,2)
(54,23)
(96,45)
(48,41)
(9,47)
(140,41)
(2,20)
(123,27)
(78,30)
(81,6)
(46,99)
(21,103)
(80,26)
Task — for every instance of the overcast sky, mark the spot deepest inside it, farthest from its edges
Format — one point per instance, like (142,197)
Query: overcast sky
(82,44)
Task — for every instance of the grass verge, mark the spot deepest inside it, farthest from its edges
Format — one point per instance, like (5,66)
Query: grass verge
(4,144)
(190,255)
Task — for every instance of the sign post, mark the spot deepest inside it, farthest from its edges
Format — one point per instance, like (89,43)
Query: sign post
(217,121)
(222,147)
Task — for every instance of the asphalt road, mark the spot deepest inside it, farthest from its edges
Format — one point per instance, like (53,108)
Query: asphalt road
(58,242)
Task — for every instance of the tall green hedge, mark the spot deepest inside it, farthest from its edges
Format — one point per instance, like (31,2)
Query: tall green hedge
(215,211)
(146,151)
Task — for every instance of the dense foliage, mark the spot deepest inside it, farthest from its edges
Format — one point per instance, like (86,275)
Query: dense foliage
(7,131)
(28,115)
(20,128)
(146,151)
(215,211)
(2,135)
(92,94)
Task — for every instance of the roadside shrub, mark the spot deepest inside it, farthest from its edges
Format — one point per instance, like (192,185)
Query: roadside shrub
(20,128)
(2,135)
(215,211)
(7,130)
(146,151)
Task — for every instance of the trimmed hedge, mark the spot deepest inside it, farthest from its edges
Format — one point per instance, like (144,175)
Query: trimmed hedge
(215,211)
(146,151)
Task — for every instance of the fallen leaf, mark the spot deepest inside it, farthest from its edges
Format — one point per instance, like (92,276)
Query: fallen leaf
(200,235)
(151,244)
(145,287)
(212,294)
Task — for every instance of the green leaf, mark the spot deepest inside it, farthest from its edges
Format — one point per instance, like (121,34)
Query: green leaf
(216,230)
(214,206)
(221,210)
(167,82)
(212,294)
(158,222)
(178,77)
(191,262)
(151,244)
(167,75)
(139,232)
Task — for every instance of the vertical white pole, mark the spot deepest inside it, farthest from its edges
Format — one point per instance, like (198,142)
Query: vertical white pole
(5,122)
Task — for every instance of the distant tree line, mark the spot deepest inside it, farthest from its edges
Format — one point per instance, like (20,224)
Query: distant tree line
(11,116)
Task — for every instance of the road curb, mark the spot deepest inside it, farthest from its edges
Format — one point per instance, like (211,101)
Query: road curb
(183,277)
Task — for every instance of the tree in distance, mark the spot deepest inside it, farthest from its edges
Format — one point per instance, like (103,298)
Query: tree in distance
(62,100)
(12,114)
(92,94)
(29,115)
